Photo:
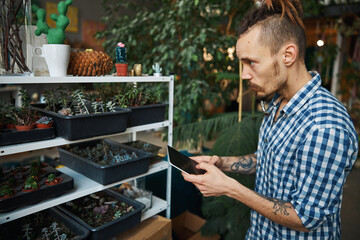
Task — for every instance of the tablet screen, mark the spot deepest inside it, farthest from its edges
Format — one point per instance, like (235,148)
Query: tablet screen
(182,162)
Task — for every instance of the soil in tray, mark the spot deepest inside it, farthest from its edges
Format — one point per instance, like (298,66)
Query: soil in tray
(98,209)
(103,153)
(40,225)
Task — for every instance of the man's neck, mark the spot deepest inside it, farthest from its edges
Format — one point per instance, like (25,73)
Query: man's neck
(298,76)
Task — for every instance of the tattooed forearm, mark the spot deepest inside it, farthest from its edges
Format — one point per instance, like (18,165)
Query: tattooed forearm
(244,164)
(280,207)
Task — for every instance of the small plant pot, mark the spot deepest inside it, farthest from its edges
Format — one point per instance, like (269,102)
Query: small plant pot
(25,127)
(56,181)
(121,69)
(157,74)
(29,190)
(43,125)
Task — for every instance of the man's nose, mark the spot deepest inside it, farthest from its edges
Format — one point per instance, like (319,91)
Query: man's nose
(246,73)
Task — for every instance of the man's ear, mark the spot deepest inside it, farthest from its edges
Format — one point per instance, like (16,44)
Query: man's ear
(290,54)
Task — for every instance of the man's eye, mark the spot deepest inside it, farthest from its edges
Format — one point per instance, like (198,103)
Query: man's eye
(251,63)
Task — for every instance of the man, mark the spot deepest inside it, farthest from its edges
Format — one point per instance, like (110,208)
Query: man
(307,142)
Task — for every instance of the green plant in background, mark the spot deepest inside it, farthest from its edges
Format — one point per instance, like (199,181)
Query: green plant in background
(180,34)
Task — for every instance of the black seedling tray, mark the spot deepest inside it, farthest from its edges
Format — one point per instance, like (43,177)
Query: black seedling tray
(147,114)
(12,136)
(22,198)
(8,228)
(89,125)
(116,226)
(144,146)
(106,174)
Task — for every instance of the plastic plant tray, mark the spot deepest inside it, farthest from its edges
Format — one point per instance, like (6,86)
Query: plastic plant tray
(106,174)
(12,136)
(116,226)
(88,125)
(147,114)
(80,231)
(22,198)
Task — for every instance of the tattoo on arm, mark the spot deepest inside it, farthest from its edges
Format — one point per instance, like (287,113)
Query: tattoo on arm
(246,164)
(280,207)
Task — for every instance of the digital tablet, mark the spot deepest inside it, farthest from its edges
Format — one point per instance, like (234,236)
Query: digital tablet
(182,162)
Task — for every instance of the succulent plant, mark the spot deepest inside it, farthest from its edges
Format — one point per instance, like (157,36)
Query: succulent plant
(156,67)
(44,120)
(120,53)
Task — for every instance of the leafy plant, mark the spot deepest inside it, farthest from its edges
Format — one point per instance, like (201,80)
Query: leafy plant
(24,115)
(31,183)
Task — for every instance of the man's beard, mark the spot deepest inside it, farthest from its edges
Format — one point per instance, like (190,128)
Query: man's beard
(280,85)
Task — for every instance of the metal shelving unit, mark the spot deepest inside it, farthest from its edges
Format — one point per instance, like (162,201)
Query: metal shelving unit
(82,185)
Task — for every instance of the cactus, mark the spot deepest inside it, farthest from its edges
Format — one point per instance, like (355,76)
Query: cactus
(54,35)
(156,67)
(120,53)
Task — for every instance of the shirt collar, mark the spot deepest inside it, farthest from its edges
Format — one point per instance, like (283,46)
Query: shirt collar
(300,98)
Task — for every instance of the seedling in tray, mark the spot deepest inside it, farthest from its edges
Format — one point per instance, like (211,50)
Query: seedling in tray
(52,179)
(104,154)
(31,184)
(6,191)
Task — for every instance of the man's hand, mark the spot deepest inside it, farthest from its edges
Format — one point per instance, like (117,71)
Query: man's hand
(213,160)
(214,182)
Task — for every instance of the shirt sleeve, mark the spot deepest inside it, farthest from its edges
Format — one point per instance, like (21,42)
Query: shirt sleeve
(320,175)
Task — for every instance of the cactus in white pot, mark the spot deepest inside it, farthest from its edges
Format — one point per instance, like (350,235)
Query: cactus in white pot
(157,69)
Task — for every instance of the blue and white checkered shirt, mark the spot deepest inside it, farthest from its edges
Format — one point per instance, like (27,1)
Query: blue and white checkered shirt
(304,158)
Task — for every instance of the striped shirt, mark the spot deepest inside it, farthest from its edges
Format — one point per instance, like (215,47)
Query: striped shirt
(304,158)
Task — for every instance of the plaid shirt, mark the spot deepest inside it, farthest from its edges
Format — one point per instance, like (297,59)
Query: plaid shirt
(304,158)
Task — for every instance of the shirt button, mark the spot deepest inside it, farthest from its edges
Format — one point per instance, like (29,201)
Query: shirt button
(265,140)
(258,164)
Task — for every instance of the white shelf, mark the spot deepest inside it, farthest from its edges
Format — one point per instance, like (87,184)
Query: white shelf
(55,142)
(84,186)
(75,79)
(158,205)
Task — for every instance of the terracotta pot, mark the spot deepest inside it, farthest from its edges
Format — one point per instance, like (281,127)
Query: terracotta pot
(43,125)
(121,69)
(59,180)
(29,190)
(25,128)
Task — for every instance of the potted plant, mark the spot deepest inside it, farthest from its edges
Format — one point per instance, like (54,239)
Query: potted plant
(157,69)
(6,191)
(25,118)
(53,180)
(144,103)
(121,65)
(30,184)
(77,116)
(58,64)
(105,214)
(44,122)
